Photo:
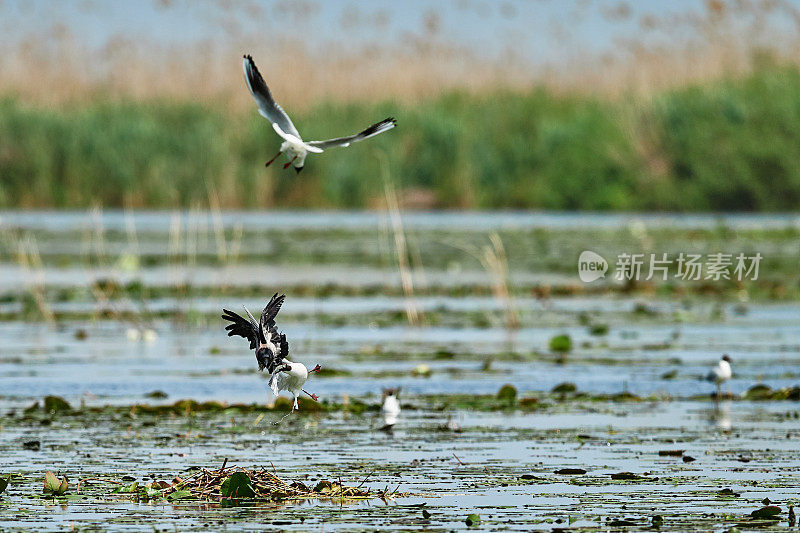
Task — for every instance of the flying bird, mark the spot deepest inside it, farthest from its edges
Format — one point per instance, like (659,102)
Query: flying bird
(720,373)
(272,348)
(390,408)
(295,148)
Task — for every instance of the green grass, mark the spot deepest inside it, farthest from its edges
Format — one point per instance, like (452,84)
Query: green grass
(732,145)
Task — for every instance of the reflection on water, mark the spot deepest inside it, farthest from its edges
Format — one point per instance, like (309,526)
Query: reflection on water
(721,415)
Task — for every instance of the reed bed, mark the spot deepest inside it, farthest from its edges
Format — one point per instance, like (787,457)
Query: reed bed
(723,146)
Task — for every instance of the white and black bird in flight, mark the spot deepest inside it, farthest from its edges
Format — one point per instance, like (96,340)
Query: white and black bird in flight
(271,348)
(720,373)
(295,148)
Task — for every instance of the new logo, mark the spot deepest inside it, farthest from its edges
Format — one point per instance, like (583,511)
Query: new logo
(591,266)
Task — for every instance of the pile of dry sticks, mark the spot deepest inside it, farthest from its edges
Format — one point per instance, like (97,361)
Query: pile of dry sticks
(238,482)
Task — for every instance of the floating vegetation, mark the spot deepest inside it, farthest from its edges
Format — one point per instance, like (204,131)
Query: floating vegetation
(561,344)
(763,392)
(473,520)
(507,393)
(53,485)
(768,512)
(237,483)
(571,471)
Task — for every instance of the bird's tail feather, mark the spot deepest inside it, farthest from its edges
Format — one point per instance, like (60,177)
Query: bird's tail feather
(273,383)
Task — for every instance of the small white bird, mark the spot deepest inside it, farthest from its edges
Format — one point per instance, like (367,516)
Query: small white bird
(720,373)
(271,349)
(390,408)
(293,146)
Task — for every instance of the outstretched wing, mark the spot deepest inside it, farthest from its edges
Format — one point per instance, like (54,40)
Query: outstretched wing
(242,327)
(274,341)
(375,129)
(267,106)
(270,312)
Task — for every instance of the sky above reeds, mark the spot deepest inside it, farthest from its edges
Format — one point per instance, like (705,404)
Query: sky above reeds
(536,31)
(349,50)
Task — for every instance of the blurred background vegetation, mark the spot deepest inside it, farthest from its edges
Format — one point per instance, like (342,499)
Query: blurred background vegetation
(696,110)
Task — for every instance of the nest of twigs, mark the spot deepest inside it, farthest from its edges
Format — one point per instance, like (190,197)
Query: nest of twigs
(240,483)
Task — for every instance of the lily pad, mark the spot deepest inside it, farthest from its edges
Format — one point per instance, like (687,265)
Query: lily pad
(128,489)
(237,485)
(626,476)
(473,519)
(55,404)
(565,388)
(768,512)
(507,393)
(53,485)
(180,495)
(561,344)
(571,471)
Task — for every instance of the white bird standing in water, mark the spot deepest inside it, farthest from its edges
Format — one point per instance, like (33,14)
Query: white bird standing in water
(390,408)
(720,373)
(293,146)
(271,349)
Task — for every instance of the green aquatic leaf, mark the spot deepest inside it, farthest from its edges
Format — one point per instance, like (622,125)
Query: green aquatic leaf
(571,471)
(125,489)
(769,512)
(53,485)
(473,519)
(507,394)
(56,404)
(180,495)
(237,485)
(627,476)
(561,344)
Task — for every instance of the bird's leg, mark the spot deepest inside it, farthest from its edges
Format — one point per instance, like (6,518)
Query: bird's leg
(315,369)
(289,163)
(295,407)
(312,396)
(273,159)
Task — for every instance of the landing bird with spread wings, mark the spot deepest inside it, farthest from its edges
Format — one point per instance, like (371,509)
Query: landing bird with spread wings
(295,148)
(271,348)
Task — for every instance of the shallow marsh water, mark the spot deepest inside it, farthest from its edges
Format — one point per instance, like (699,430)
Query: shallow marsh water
(102,276)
